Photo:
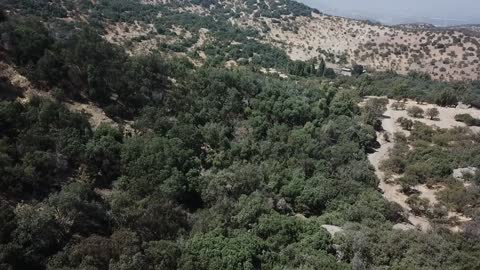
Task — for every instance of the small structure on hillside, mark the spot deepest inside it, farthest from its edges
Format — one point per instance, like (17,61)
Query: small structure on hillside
(346,71)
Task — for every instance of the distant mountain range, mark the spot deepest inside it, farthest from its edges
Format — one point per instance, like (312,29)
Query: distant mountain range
(394,20)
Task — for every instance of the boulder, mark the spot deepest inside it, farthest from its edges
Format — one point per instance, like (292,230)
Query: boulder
(460,173)
(404,227)
(332,230)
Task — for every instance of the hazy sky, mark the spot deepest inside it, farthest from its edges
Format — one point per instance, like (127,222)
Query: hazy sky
(453,10)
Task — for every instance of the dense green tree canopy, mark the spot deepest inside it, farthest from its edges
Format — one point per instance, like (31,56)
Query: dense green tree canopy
(207,167)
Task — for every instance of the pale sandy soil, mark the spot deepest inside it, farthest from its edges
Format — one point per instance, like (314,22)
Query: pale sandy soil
(115,33)
(96,116)
(445,56)
(392,191)
(139,38)
(446,119)
(202,39)
(428,193)
(19,81)
(187,8)
(231,64)
(123,33)
(431,195)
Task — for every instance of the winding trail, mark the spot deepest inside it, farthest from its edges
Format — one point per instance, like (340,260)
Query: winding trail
(392,192)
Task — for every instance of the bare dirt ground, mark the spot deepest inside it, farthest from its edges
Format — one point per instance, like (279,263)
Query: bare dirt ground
(446,118)
(392,191)
(429,193)
(445,55)
(10,74)
(139,38)
(96,116)
(124,34)
(449,54)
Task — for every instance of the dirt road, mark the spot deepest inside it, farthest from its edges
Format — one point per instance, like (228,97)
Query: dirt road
(391,191)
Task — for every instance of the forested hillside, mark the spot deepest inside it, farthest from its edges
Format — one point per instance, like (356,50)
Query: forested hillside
(211,31)
(130,140)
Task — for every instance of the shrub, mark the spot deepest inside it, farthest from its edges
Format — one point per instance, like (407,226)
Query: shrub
(405,123)
(394,164)
(421,131)
(419,205)
(398,105)
(415,111)
(467,119)
(432,113)
(329,73)
(446,98)
(357,70)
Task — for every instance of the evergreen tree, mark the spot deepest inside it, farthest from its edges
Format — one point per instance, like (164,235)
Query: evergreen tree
(321,68)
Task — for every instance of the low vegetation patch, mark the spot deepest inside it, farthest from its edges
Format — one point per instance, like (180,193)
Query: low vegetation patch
(467,119)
